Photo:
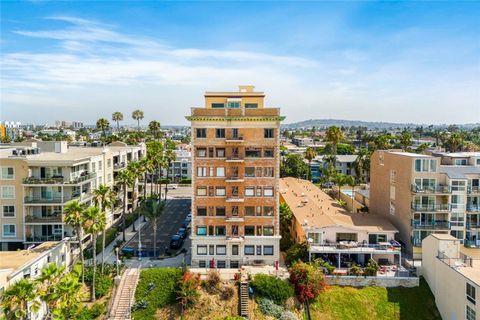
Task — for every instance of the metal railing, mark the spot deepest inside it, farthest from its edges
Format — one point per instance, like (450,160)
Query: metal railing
(73,179)
(473,207)
(430,207)
(473,189)
(473,225)
(36,219)
(44,238)
(352,245)
(234,138)
(430,225)
(431,189)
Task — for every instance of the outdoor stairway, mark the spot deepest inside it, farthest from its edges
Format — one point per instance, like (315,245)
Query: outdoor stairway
(243,299)
(124,295)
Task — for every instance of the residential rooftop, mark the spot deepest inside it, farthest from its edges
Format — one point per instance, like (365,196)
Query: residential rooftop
(16,259)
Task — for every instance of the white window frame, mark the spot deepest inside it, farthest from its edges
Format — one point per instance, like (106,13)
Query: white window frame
(220,191)
(2,188)
(470,313)
(267,190)
(470,298)
(202,191)
(200,250)
(201,171)
(249,191)
(220,171)
(9,236)
(14,211)
(6,177)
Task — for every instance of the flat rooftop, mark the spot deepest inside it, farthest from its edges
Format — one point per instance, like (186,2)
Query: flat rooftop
(410,154)
(16,259)
(309,203)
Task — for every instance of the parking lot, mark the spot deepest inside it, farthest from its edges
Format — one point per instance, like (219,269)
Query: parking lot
(167,225)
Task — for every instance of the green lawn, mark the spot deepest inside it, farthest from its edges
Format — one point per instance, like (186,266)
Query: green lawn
(345,303)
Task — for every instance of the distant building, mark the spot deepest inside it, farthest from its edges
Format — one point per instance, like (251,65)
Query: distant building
(77,125)
(302,141)
(181,167)
(453,276)
(10,129)
(344,164)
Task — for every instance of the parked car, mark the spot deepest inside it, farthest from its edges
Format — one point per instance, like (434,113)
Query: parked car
(182,232)
(328,185)
(176,241)
(189,217)
(172,186)
(185,223)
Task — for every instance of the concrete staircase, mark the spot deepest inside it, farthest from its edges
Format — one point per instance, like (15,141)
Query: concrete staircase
(124,296)
(243,299)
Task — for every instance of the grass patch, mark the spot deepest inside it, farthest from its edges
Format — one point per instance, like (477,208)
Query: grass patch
(347,303)
(165,283)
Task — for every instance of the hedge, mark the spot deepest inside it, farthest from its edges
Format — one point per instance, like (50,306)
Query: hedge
(272,288)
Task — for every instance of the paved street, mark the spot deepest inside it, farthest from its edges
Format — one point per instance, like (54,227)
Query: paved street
(167,225)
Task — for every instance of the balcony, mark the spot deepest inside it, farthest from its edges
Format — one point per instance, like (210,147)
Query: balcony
(392,247)
(474,190)
(57,198)
(235,199)
(473,208)
(473,225)
(234,219)
(430,207)
(73,179)
(228,112)
(43,238)
(57,218)
(441,189)
(234,139)
(471,243)
(235,158)
(235,239)
(119,166)
(234,179)
(431,225)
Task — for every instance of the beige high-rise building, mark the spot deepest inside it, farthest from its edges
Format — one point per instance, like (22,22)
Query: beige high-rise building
(235,180)
(37,179)
(423,194)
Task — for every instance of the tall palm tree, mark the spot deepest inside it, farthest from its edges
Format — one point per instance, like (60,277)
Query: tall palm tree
(362,164)
(455,141)
(154,127)
(147,167)
(170,156)
(94,222)
(310,154)
(19,300)
(102,199)
(125,179)
(136,171)
(334,135)
(382,142)
(67,294)
(155,156)
(152,208)
(103,124)
(117,117)
(405,140)
(73,212)
(50,275)
(340,180)
(137,115)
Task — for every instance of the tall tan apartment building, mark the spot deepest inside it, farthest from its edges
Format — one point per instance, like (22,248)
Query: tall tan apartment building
(424,194)
(235,180)
(37,179)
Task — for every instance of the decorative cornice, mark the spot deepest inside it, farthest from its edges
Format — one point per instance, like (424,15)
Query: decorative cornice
(233,118)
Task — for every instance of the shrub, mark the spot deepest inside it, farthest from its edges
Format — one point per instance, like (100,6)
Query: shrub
(307,279)
(94,312)
(319,263)
(213,281)
(286,242)
(103,282)
(355,270)
(186,181)
(288,315)
(227,293)
(269,308)
(371,269)
(272,288)
(232,318)
(299,251)
(187,293)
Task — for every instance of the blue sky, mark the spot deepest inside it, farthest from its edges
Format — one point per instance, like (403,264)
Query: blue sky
(378,61)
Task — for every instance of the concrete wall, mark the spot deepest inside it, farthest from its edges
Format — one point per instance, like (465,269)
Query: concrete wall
(387,282)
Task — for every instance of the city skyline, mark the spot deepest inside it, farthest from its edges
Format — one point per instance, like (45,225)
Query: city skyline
(348,61)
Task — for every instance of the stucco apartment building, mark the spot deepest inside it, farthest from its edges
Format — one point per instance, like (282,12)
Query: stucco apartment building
(235,180)
(453,274)
(37,179)
(423,194)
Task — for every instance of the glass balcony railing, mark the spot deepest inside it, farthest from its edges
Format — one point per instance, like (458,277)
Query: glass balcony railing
(473,225)
(473,207)
(43,238)
(43,219)
(57,198)
(431,189)
(473,189)
(430,207)
(431,225)
(72,179)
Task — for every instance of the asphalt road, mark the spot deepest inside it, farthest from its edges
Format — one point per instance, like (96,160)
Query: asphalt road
(167,225)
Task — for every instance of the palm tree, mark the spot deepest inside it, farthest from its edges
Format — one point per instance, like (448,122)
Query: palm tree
(351,182)
(154,127)
(362,164)
(117,117)
(405,140)
(340,180)
(155,156)
(137,115)
(152,208)
(135,170)
(334,135)
(102,197)
(310,154)
(147,167)
(125,179)
(19,300)
(170,156)
(382,142)
(94,223)
(50,275)
(74,217)
(67,294)
(454,141)
(103,124)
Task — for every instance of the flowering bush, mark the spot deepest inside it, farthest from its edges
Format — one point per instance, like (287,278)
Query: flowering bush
(269,308)
(308,281)
(213,281)
(288,315)
(272,288)
(187,293)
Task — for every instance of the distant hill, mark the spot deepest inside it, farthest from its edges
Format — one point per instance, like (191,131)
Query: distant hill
(323,123)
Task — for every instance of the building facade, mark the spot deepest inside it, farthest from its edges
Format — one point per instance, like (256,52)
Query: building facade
(344,164)
(181,168)
(235,180)
(424,194)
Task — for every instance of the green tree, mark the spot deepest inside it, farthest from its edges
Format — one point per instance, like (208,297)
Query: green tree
(93,223)
(50,275)
(310,154)
(294,166)
(104,198)
(362,164)
(137,115)
(117,117)
(136,171)
(169,156)
(155,151)
(154,127)
(334,135)
(152,208)
(19,299)
(73,216)
(405,140)
(67,295)
(340,180)
(454,142)
(103,124)
(125,180)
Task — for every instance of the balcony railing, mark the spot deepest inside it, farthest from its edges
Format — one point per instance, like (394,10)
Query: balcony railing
(43,238)
(473,225)
(473,189)
(471,243)
(234,139)
(433,225)
(75,179)
(235,199)
(57,198)
(430,207)
(234,179)
(45,219)
(473,207)
(118,166)
(235,157)
(431,189)
(356,246)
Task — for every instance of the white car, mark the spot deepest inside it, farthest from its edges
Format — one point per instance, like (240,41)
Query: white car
(172,186)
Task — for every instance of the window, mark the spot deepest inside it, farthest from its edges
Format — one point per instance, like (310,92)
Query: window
(202,250)
(99,165)
(251,105)
(268,211)
(7,173)
(220,133)
(259,191)
(9,230)
(210,152)
(201,231)
(259,230)
(201,171)
(202,264)
(201,133)
(221,264)
(201,191)
(235,230)
(470,314)
(211,249)
(268,230)
(222,250)
(7,192)
(234,264)
(220,153)
(259,250)
(376,238)
(109,177)
(253,153)
(249,230)
(220,172)
(425,165)
(268,250)
(109,163)
(201,211)
(258,172)
(268,172)
(268,133)
(249,172)
(220,231)
(268,191)
(218,105)
(249,211)
(470,293)
(235,250)
(249,250)
(220,211)
(233,104)
(201,152)
(258,211)
(8,211)
(461,162)
(249,191)
(220,191)
(268,153)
